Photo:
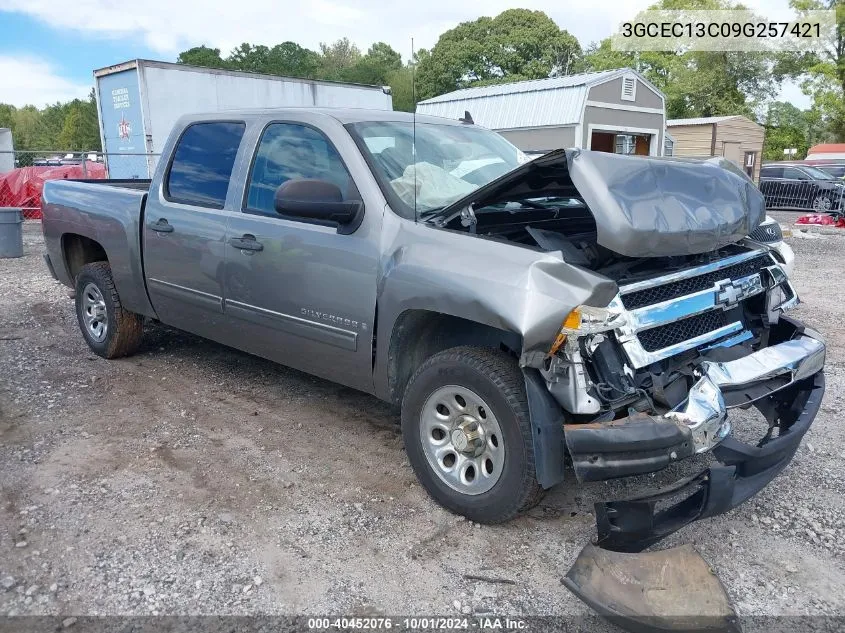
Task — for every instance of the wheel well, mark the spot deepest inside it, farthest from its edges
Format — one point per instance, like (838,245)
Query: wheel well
(80,250)
(419,334)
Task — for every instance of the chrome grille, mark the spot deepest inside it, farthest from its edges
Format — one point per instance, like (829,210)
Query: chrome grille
(667,335)
(682,310)
(682,287)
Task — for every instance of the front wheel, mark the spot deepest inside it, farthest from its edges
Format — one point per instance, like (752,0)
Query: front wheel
(822,202)
(109,329)
(467,432)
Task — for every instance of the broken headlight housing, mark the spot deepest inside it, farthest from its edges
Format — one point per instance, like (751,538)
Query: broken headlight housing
(586,320)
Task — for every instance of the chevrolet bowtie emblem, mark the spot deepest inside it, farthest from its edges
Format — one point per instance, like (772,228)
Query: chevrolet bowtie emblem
(731,292)
(728,296)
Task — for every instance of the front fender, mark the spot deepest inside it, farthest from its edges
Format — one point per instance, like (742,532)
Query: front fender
(497,284)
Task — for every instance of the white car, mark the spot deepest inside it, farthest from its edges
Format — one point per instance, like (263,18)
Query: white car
(770,234)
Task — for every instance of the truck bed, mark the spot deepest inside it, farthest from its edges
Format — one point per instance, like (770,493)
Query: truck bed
(108,212)
(141,184)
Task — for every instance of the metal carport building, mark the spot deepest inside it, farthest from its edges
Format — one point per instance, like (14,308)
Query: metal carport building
(612,110)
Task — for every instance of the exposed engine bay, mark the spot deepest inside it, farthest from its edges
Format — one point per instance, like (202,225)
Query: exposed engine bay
(568,226)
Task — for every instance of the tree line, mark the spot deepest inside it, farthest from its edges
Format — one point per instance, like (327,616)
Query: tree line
(520,44)
(62,126)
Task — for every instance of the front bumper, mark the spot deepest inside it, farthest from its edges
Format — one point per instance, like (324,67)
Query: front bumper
(784,381)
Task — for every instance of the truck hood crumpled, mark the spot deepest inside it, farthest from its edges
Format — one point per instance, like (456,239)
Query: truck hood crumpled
(643,206)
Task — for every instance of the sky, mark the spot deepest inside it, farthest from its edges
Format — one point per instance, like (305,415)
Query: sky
(49,49)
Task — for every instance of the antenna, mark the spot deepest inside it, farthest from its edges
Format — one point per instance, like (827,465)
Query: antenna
(413,76)
(414,123)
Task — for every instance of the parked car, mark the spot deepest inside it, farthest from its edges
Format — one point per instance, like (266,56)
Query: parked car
(583,302)
(770,233)
(800,186)
(48,161)
(832,168)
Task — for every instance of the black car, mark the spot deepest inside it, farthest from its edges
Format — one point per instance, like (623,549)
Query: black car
(835,169)
(790,186)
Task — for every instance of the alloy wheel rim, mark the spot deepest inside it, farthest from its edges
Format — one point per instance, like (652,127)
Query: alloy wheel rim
(462,440)
(822,203)
(94,313)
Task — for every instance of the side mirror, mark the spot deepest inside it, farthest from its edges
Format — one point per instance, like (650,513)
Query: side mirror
(316,200)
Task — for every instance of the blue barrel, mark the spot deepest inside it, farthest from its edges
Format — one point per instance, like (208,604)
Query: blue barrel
(11,232)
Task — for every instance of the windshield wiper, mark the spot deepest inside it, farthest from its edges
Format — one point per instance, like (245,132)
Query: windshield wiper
(430,213)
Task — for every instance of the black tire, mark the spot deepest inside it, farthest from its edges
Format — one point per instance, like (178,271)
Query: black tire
(123,328)
(497,379)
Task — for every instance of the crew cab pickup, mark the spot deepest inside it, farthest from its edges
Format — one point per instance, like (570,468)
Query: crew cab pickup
(609,308)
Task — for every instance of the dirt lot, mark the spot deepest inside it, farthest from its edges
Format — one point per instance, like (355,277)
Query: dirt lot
(195,479)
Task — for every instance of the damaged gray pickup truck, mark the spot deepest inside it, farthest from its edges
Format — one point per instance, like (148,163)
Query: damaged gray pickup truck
(612,309)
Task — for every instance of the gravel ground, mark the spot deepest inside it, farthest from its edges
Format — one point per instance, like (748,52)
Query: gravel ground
(193,479)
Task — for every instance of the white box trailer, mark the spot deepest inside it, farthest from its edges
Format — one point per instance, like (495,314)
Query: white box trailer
(139,101)
(7,150)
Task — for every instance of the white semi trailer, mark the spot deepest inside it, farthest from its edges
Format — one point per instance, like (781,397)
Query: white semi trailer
(139,101)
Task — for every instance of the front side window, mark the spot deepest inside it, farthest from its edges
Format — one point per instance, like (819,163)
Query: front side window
(794,174)
(202,163)
(290,151)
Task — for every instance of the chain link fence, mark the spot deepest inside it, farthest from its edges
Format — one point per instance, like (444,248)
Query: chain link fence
(813,195)
(23,172)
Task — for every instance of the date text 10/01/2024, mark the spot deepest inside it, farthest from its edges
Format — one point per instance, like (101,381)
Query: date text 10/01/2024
(483,623)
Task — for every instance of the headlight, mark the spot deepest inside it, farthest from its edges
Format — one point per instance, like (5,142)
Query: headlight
(585,320)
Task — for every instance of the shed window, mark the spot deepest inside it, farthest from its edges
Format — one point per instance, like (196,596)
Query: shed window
(629,88)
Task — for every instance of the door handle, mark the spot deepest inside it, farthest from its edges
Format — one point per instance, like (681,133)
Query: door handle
(161,226)
(246,243)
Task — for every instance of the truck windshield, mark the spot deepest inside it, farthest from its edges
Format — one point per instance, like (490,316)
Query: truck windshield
(430,168)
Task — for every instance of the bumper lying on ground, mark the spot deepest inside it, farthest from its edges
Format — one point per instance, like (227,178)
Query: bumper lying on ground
(784,381)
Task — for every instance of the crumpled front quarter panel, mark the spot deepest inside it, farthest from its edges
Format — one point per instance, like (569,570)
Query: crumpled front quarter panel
(648,207)
(502,285)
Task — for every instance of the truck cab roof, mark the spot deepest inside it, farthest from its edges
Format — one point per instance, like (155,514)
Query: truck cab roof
(343,115)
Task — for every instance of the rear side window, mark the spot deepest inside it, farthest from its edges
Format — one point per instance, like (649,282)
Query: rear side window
(202,163)
(771,172)
(290,151)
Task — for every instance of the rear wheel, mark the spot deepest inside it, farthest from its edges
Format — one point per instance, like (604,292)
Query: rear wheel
(467,433)
(109,329)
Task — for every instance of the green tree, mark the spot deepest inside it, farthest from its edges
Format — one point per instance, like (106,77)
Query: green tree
(516,44)
(823,73)
(25,126)
(337,59)
(292,60)
(402,88)
(698,83)
(79,128)
(374,67)
(61,126)
(787,126)
(7,115)
(202,56)
(249,58)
